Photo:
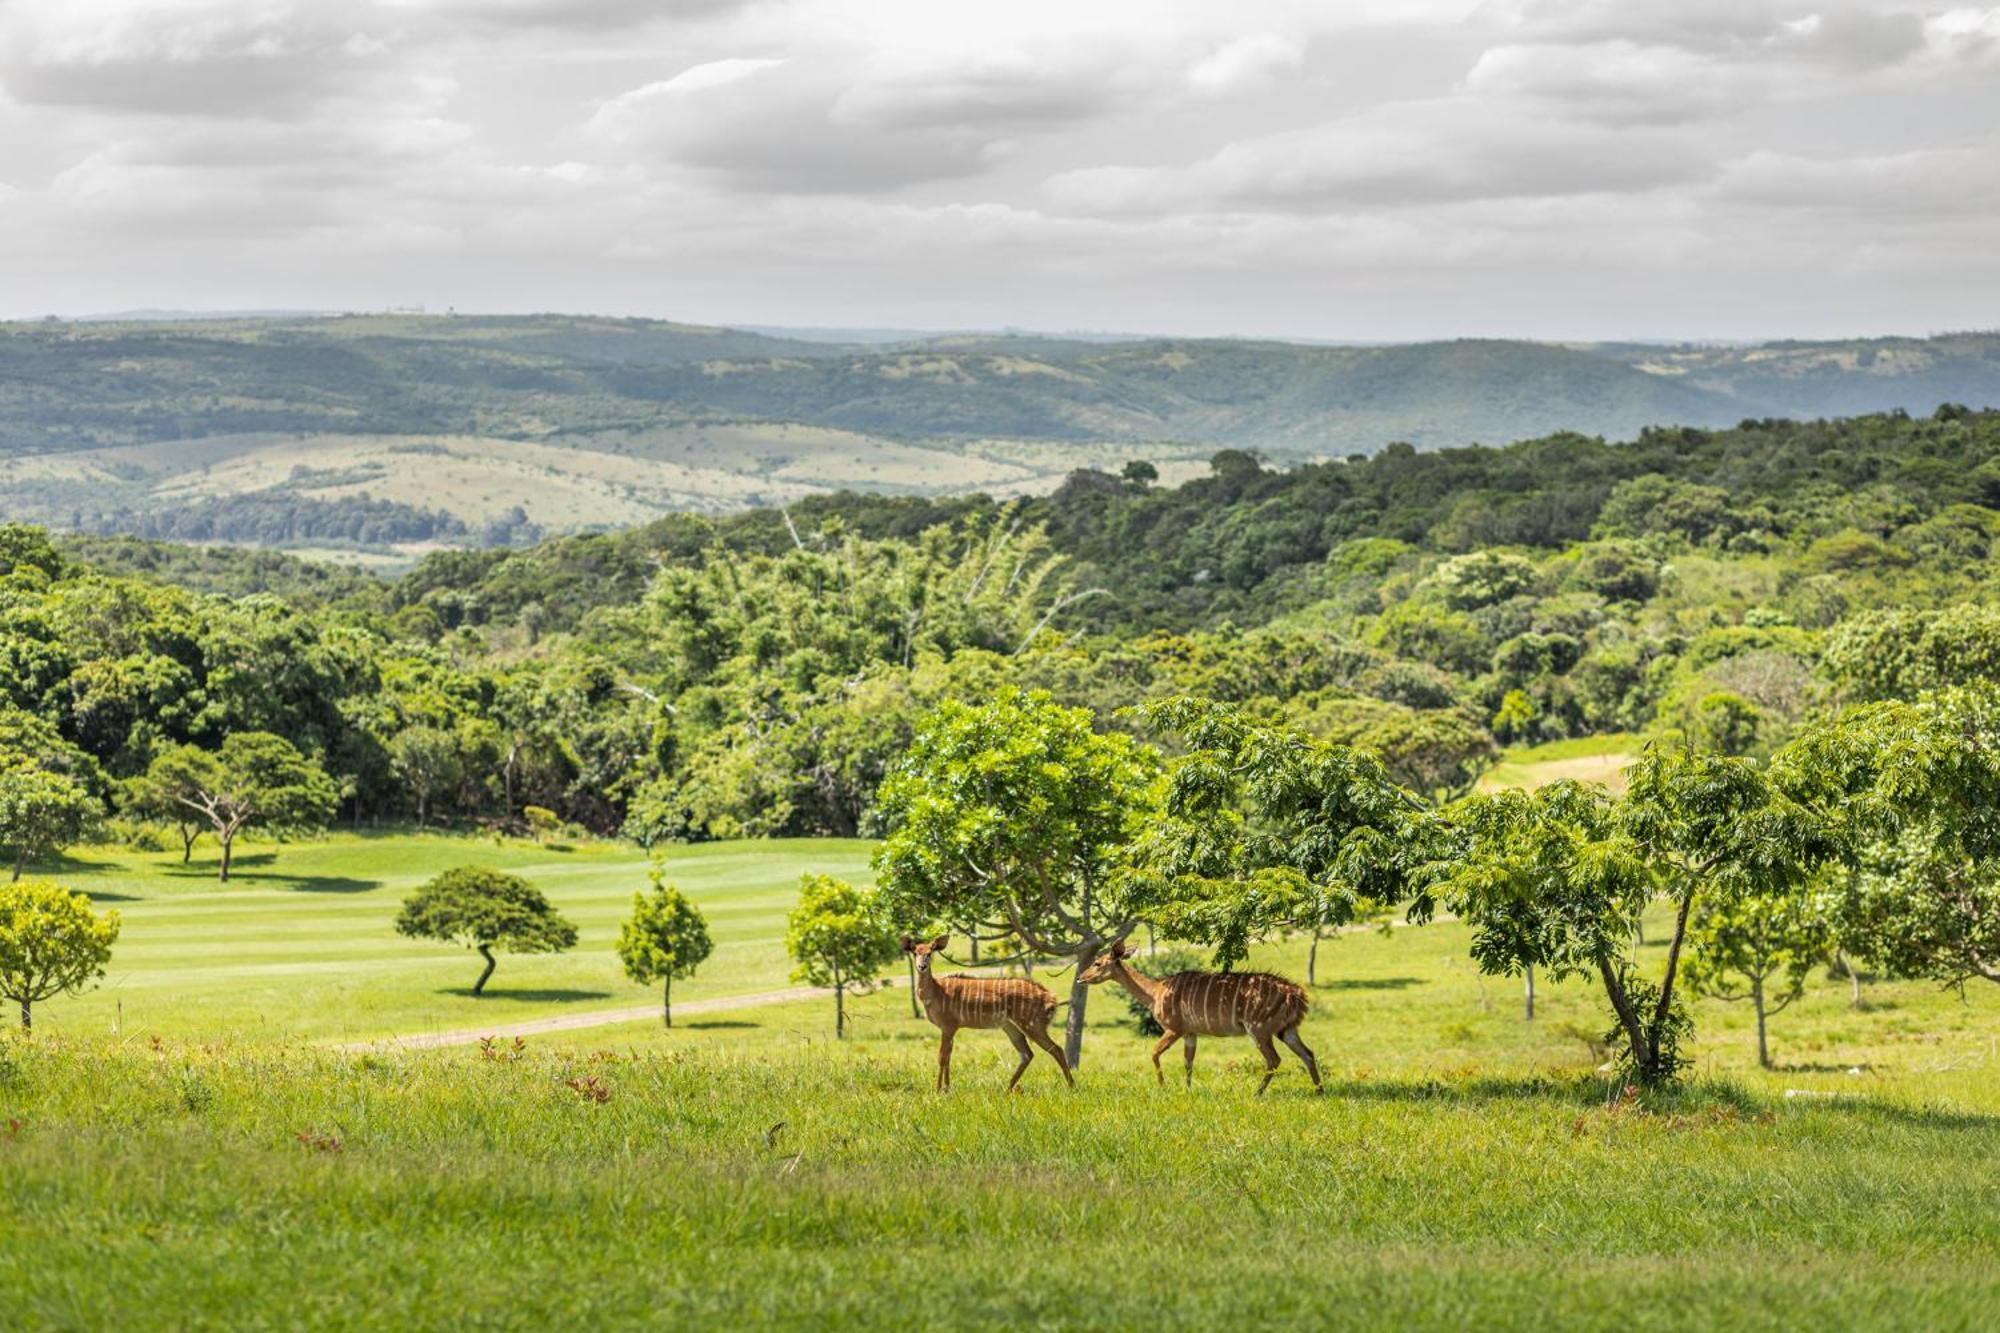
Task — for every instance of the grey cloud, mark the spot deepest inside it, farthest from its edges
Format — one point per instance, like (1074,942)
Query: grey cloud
(577,16)
(186,59)
(809,124)
(1424,153)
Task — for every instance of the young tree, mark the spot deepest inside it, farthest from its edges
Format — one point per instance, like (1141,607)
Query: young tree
(665,937)
(1557,879)
(837,936)
(485,909)
(51,942)
(156,794)
(1012,817)
(1922,781)
(41,812)
(1758,948)
(256,780)
(427,761)
(1265,829)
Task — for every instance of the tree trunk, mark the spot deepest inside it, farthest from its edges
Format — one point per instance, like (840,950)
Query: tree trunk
(1079,995)
(975,951)
(17,865)
(27,1017)
(1665,1005)
(420,810)
(1757,1002)
(1531,993)
(839,1007)
(1152,945)
(1312,960)
(228,846)
(667,1002)
(1627,1017)
(187,843)
(1853,978)
(479,986)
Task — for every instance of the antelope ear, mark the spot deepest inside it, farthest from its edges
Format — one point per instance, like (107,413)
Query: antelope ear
(909,945)
(939,943)
(1118,950)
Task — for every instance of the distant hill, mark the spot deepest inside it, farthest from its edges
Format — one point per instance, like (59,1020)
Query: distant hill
(375,429)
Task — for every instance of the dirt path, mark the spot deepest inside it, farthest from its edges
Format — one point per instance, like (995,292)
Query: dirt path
(596,1018)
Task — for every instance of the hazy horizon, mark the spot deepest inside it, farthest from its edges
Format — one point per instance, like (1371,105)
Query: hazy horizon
(865,333)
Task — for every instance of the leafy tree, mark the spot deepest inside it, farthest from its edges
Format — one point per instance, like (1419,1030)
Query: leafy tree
(1722,828)
(256,780)
(1264,829)
(426,758)
(665,938)
(1759,948)
(838,937)
(1013,817)
(1922,781)
(484,910)
(1429,750)
(156,794)
(1558,878)
(51,943)
(1515,717)
(41,812)
(1468,582)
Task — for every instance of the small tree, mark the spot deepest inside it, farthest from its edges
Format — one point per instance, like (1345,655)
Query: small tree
(426,760)
(485,909)
(256,780)
(41,812)
(1012,818)
(1758,948)
(156,794)
(665,937)
(51,943)
(1920,783)
(1557,878)
(1266,830)
(838,938)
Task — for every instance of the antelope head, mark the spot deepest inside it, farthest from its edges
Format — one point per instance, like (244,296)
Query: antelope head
(923,950)
(1105,967)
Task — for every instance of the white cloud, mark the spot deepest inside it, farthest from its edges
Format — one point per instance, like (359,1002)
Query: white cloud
(1244,62)
(1412,154)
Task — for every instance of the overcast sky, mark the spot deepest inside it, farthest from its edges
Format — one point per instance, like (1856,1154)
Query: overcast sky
(1385,169)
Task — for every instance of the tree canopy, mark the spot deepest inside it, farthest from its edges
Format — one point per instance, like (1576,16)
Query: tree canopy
(51,943)
(485,909)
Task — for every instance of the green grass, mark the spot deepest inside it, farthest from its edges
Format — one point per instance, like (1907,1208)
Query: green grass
(302,942)
(1584,758)
(1465,1169)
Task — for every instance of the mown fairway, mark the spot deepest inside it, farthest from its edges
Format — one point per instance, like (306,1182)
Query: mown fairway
(302,940)
(1463,1171)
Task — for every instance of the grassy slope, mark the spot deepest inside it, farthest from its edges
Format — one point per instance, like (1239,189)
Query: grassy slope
(1464,1172)
(1601,759)
(302,942)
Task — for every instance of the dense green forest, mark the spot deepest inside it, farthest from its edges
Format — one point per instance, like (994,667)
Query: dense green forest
(700,678)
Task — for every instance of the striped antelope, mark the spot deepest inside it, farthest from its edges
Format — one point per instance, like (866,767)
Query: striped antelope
(1187,1005)
(1019,1007)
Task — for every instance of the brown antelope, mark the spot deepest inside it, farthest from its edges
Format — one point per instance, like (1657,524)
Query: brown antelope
(1018,1007)
(1187,1005)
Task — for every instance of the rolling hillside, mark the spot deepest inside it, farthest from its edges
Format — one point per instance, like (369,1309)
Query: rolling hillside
(380,431)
